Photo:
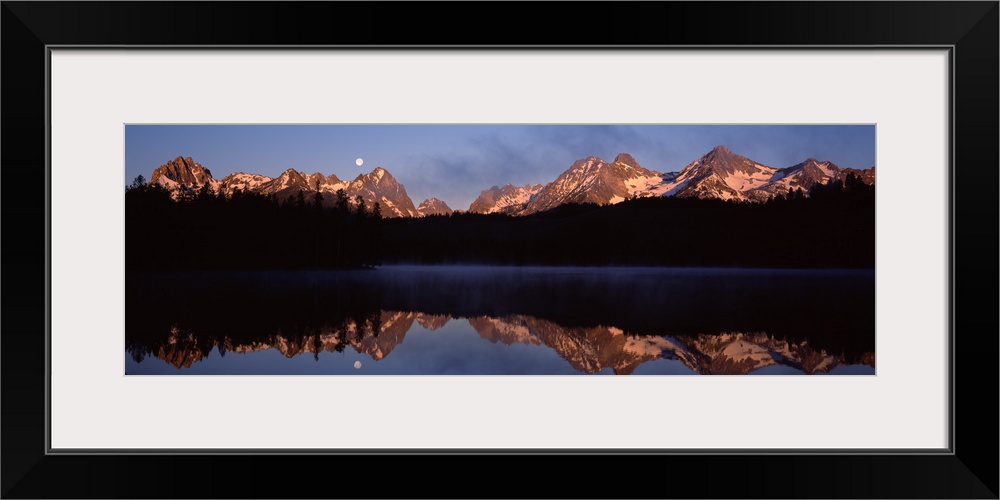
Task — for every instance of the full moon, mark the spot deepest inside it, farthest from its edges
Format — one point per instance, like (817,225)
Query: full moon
(357,364)
(359,161)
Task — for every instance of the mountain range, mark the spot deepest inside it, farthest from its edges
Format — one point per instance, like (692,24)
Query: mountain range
(183,175)
(719,174)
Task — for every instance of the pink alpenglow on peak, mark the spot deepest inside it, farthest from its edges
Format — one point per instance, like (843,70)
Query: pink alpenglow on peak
(433,206)
(379,186)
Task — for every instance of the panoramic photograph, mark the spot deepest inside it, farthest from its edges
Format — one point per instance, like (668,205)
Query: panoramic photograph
(500,250)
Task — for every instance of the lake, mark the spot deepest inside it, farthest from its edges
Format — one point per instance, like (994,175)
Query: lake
(469,320)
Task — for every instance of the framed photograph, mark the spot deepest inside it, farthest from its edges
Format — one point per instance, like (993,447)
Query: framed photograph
(237,273)
(586,266)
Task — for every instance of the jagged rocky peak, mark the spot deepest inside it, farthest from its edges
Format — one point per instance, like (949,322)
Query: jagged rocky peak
(183,171)
(722,156)
(511,188)
(719,150)
(289,183)
(626,159)
(378,175)
(295,177)
(242,181)
(316,179)
(592,180)
(723,161)
(508,199)
(812,171)
(433,206)
(244,175)
(291,172)
(587,163)
(379,186)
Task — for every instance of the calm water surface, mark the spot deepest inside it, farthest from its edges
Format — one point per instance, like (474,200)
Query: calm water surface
(464,320)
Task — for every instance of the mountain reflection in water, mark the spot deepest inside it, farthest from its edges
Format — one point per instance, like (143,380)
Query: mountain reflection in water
(464,320)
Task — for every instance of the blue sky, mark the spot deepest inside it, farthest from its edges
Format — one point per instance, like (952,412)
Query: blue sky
(456,162)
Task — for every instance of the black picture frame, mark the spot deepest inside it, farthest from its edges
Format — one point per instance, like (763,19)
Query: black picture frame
(969,470)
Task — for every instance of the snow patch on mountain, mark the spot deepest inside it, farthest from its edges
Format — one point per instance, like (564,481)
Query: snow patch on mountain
(508,199)
(433,206)
(183,175)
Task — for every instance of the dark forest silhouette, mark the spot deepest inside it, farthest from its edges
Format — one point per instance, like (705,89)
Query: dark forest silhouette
(831,226)
(208,230)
